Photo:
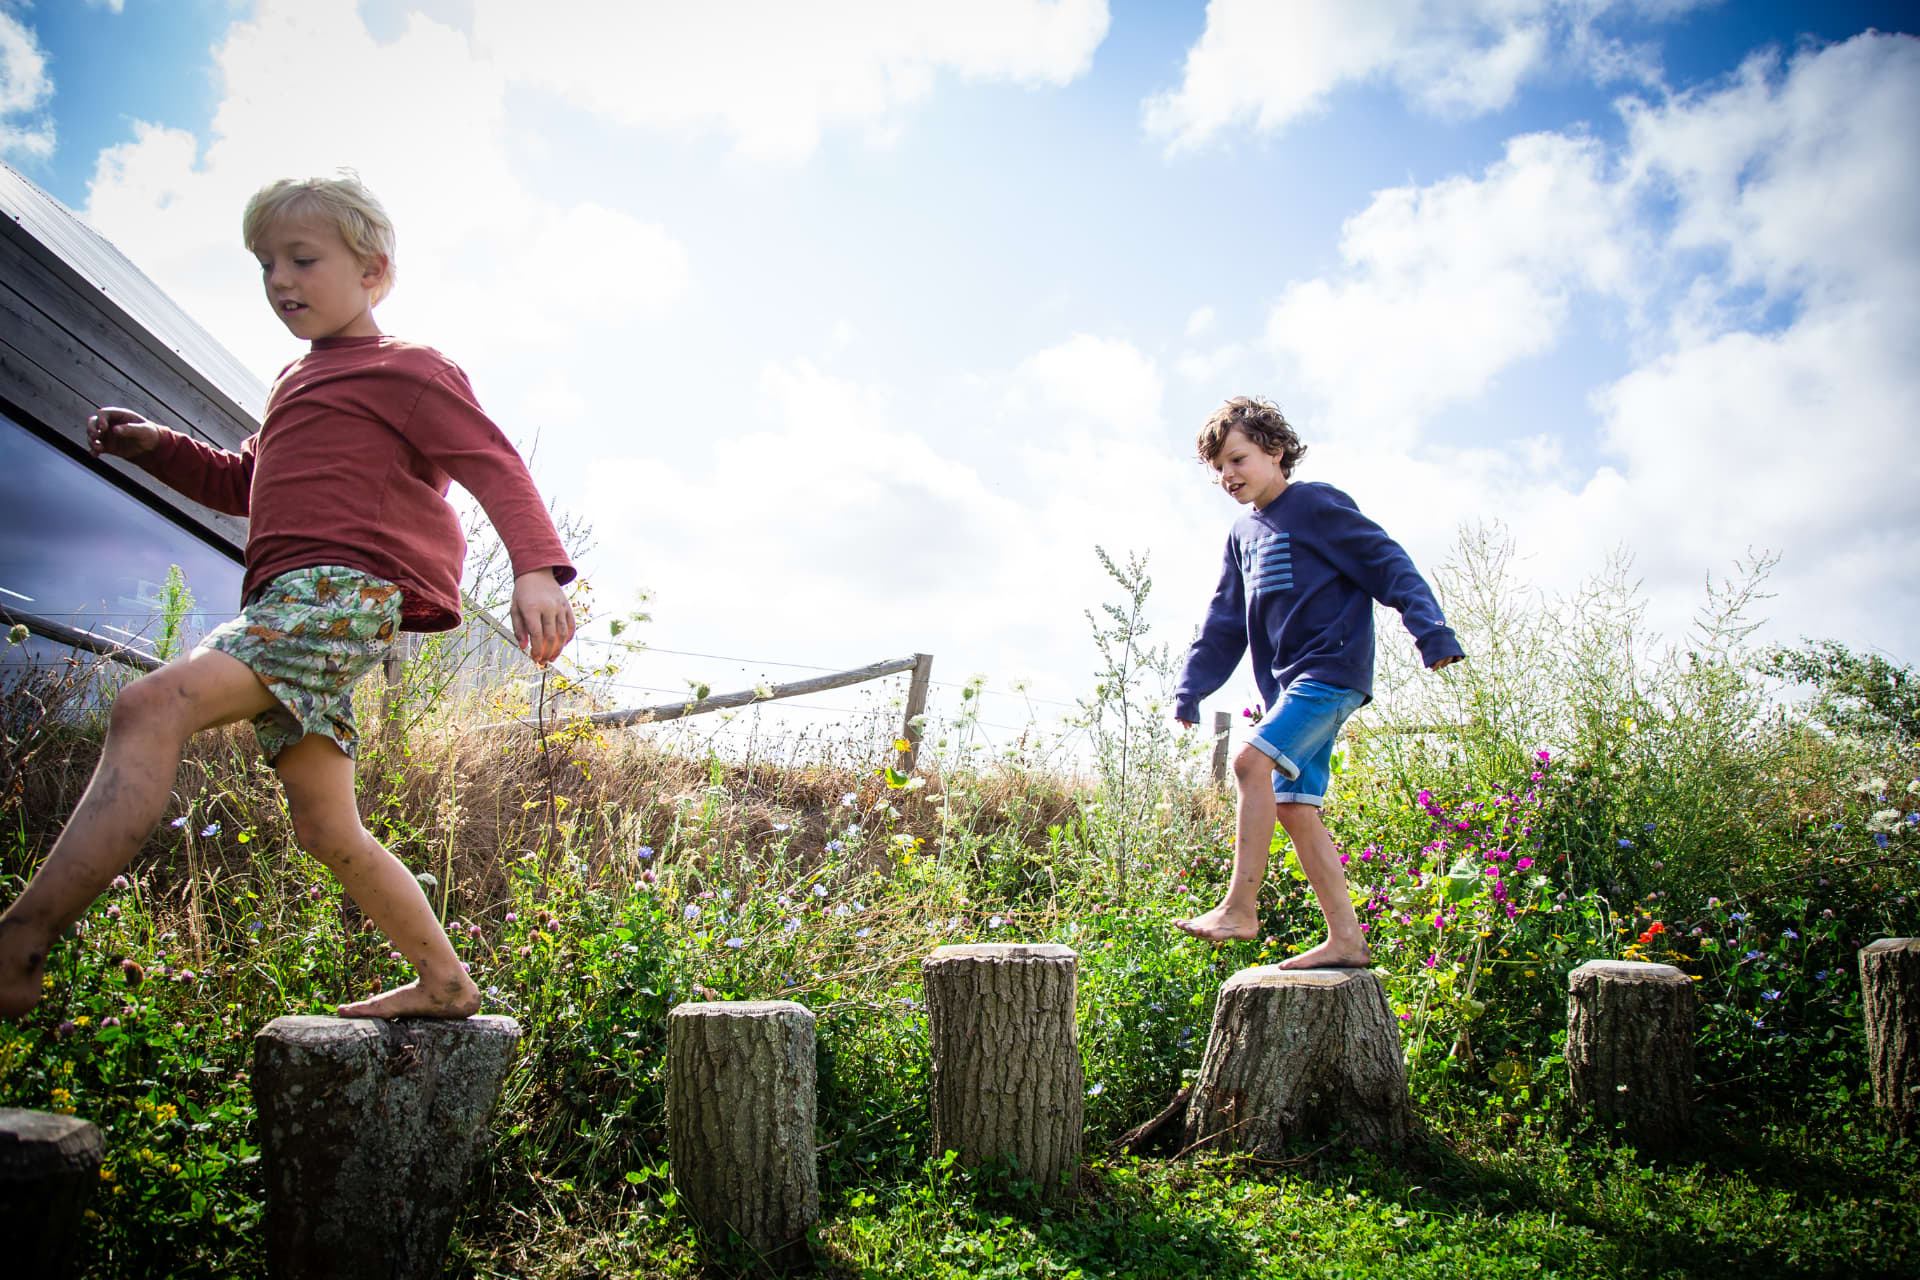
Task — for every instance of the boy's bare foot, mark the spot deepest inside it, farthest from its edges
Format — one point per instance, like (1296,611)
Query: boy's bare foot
(457,998)
(1221,925)
(23,962)
(1331,955)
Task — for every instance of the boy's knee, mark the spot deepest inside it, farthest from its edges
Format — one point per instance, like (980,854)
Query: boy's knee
(1294,814)
(327,836)
(1253,765)
(143,704)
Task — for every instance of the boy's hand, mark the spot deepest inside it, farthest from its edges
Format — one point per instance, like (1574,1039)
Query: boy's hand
(542,618)
(120,433)
(1447,661)
(1184,724)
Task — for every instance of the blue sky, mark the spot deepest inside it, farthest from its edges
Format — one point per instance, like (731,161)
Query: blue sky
(854,336)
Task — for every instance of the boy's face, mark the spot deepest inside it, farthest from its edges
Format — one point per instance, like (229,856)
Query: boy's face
(1247,472)
(313,281)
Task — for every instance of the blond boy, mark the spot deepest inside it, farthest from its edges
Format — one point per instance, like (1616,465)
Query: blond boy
(350,540)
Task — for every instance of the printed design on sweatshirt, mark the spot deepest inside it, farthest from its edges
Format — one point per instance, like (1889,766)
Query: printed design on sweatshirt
(1266,564)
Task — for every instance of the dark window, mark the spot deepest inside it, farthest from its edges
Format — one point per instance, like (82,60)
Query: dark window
(78,549)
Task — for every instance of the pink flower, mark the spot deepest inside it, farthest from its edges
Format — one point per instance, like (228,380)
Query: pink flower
(1545,757)
(1524,863)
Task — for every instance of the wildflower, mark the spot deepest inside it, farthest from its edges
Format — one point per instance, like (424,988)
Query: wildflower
(1790,935)
(313,894)
(783,826)
(853,832)
(209,831)
(861,932)
(526,951)
(791,924)
(819,891)
(180,821)
(493,991)
(643,852)
(1880,838)
(1713,903)
(846,801)
(840,911)
(113,913)
(109,1021)
(18,633)
(1752,955)
(691,914)
(1099,1088)
(119,882)
(1544,757)
(834,846)
(1769,995)
(512,916)
(1523,864)
(1625,843)
(1737,917)
(736,943)
(1827,914)
(1818,977)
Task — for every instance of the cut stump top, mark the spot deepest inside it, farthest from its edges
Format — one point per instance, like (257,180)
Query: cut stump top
(318,1034)
(1630,971)
(23,1128)
(775,1009)
(1272,975)
(998,952)
(1885,945)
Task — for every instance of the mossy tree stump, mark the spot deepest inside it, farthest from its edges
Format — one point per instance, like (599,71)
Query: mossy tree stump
(367,1128)
(1630,1046)
(740,1112)
(1890,987)
(1300,1053)
(1007,1080)
(49,1166)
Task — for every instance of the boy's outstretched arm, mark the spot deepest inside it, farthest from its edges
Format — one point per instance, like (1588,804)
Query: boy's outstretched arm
(217,478)
(542,618)
(1216,650)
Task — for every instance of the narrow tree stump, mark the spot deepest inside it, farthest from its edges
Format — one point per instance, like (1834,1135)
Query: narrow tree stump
(1890,985)
(1630,1046)
(48,1168)
(367,1127)
(1007,1081)
(1295,1053)
(740,1111)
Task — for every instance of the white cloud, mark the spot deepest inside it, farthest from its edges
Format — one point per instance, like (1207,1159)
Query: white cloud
(1449,284)
(25,88)
(111,6)
(1265,65)
(1764,238)
(774,75)
(1088,381)
(488,267)
(1201,322)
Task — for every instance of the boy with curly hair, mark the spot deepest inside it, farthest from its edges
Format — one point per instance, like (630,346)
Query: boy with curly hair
(350,540)
(1303,568)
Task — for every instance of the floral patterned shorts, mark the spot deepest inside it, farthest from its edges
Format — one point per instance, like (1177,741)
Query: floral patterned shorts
(310,635)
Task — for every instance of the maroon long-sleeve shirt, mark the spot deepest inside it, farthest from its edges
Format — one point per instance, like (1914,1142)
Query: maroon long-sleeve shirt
(351,467)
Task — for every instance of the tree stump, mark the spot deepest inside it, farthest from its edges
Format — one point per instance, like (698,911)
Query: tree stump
(740,1113)
(1006,1074)
(1630,1046)
(1890,985)
(48,1168)
(367,1127)
(1295,1053)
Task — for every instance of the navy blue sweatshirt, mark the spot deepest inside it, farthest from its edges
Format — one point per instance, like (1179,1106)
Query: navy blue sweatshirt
(1298,587)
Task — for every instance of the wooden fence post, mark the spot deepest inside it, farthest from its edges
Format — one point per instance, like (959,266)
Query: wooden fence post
(1890,991)
(916,708)
(1630,1046)
(1292,1053)
(1222,725)
(367,1126)
(1007,1080)
(740,1113)
(49,1166)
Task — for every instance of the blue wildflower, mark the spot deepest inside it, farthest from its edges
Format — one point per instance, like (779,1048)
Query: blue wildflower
(1625,843)
(834,846)
(1753,955)
(1737,917)
(691,913)
(736,943)
(1790,934)
(645,852)
(209,831)
(1769,995)
(1820,976)
(1880,838)
(180,821)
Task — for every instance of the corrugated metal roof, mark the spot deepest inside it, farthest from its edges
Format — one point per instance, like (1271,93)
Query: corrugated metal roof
(93,257)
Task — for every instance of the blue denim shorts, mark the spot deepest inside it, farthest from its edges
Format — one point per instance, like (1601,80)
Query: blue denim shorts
(1298,736)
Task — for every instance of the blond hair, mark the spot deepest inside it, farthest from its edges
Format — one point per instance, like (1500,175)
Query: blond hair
(342,200)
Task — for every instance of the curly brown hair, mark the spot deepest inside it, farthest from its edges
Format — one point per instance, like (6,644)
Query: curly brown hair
(1261,421)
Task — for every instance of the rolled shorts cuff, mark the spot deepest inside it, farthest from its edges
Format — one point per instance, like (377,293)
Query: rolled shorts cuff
(1296,797)
(1282,765)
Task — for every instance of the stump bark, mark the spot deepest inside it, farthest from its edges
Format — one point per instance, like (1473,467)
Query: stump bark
(1299,1053)
(1890,987)
(1630,1046)
(48,1168)
(740,1117)
(1006,1074)
(367,1127)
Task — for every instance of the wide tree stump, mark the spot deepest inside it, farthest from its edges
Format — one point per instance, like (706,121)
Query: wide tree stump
(1890,987)
(49,1166)
(1300,1053)
(740,1111)
(367,1127)
(1007,1080)
(1630,1046)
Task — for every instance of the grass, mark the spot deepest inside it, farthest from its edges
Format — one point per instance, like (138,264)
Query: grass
(592,883)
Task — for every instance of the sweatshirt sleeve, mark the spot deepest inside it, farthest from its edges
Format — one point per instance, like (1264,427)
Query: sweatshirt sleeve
(1362,550)
(1222,639)
(449,428)
(211,477)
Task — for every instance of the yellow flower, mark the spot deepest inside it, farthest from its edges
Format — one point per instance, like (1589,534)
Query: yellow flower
(106,1173)
(173,1169)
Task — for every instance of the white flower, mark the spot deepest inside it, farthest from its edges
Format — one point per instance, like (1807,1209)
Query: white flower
(736,942)
(1884,820)
(819,891)
(996,922)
